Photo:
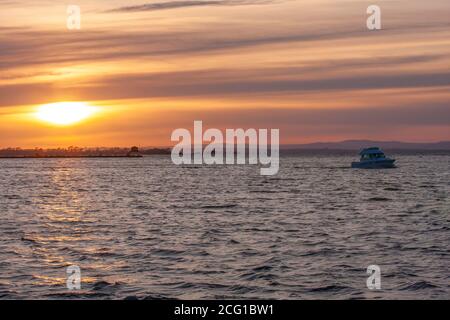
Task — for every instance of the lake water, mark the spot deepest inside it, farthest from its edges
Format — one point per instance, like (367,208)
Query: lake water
(145,228)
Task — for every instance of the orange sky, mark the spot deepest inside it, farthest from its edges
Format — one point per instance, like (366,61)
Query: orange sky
(307,67)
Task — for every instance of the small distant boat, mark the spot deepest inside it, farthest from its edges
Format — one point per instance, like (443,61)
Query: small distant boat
(373,158)
(134,153)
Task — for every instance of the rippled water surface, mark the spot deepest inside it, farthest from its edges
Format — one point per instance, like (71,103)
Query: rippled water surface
(146,228)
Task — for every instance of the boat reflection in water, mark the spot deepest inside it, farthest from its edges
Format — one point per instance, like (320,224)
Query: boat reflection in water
(373,158)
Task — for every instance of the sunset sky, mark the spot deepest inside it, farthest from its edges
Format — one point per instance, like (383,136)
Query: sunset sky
(307,67)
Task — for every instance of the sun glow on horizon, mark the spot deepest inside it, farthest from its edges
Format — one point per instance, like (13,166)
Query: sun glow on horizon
(64,113)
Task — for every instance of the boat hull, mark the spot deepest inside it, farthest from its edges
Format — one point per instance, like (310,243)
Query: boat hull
(375,164)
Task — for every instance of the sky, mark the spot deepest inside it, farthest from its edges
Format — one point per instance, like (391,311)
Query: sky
(309,68)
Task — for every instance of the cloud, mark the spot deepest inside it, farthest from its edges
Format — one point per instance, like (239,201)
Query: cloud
(19,48)
(217,84)
(188,3)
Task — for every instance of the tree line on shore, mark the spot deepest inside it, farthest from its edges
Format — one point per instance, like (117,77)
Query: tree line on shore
(76,152)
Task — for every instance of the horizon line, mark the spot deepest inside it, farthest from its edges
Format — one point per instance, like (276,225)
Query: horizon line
(281,144)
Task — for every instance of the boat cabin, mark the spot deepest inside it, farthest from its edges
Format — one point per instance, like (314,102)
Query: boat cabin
(372,153)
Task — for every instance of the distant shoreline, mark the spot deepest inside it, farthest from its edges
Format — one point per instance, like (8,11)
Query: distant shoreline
(348,147)
(75,152)
(283,152)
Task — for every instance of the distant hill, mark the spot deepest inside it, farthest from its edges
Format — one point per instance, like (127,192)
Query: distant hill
(360,144)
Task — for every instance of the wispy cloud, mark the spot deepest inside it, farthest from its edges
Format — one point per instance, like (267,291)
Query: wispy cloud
(219,83)
(19,46)
(188,3)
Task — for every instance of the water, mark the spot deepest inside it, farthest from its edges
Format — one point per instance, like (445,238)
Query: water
(145,228)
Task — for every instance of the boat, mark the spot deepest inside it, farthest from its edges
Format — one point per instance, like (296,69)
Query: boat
(134,153)
(373,158)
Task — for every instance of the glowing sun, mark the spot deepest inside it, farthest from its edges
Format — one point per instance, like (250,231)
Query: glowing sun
(65,113)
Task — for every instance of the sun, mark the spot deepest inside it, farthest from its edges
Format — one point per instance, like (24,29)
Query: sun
(64,113)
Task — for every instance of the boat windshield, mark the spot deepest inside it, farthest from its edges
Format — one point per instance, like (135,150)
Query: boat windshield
(369,156)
